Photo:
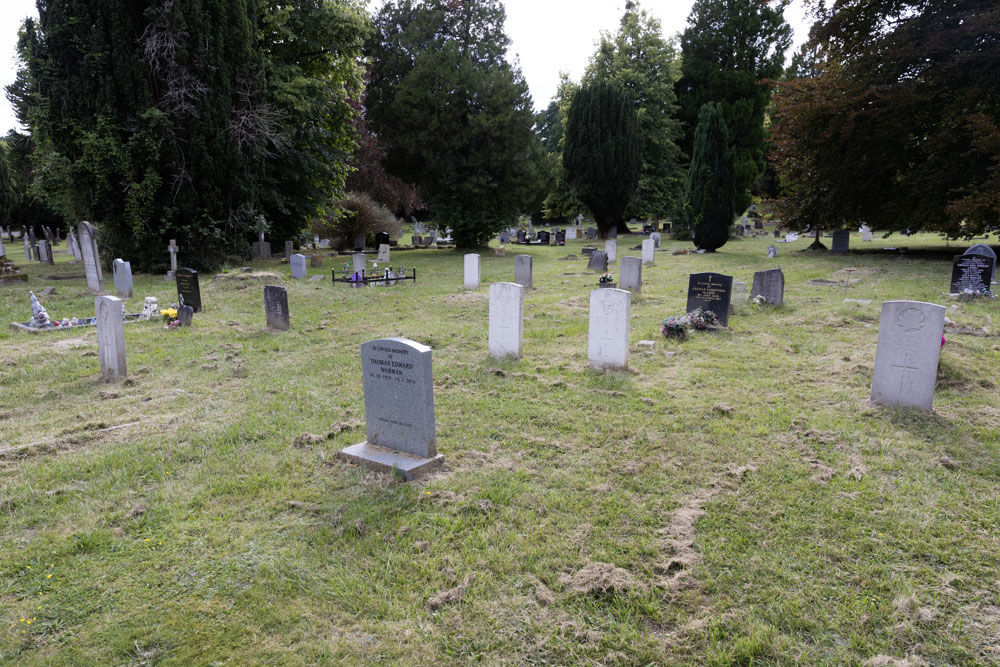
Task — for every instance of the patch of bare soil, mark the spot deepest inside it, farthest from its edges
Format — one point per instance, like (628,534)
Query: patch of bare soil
(889,661)
(597,578)
(449,596)
(247,280)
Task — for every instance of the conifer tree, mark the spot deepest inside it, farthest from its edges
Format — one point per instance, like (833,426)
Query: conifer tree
(710,187)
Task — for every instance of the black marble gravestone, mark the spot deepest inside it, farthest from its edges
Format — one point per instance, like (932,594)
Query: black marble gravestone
(971,272)
(710,291)
(188,292)
(841,241)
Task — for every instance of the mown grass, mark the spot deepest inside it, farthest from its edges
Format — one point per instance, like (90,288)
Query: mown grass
(206,531)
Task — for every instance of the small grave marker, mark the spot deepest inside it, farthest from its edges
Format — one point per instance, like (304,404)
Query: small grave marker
(983,249)
(122,272)
(866,233)
(45,252)
(772,251)
(710,291)
(841,241)
(472,274)
(611,249)
(359,262)
(906,359)
(172,249)
(571,234)
(598,261)
(648,251)
(297,265)
(771,285)
(631,273)
(607,339)
(522,270)
(289,249)
(188,289)
(276,307)
(506,320)
(110,337)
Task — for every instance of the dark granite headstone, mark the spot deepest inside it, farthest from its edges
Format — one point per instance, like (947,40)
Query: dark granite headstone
(590,233)
(613,233)
(771,285)
(415,240)
(841,241)
(758,224)
(561,237)
(521,236)
(983,249)
(710,291)
(971,272)
(359,243)
(380,238)
(188,291)
(544,238)
(598,261)
(276,307)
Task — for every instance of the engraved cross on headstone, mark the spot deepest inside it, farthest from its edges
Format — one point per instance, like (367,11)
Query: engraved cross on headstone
(172,249)
(903,368)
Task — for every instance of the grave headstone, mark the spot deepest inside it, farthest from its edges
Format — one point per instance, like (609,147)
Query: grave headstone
(359,263)
(415,240)
(522,236)
(866,233)
(31,236)
(648,251)
(571,234)
(45,252)
(289,249)
(184,315)
(36,253)
(122,273)
(399,409)
(769,284)
(316,260)
(598,261)
(380,239)
(906,358)
(655,238)
(383,253)
(522,270)
(544,238)
(504,237)
(472,274)
(3,250)
(841,241)
(27,249)
(631,274)
(73,246)
(791,237)
(613,233)
(607,338)
(261,248)
(359,243)
(772,251)
(983,249)
(560,237)
(611,249)
(971,273)
(591,233)
(110,337)
(188,289)
(172,249)
(712,292)
(419,229)
(297,264)
(276,307)
(91,259)
(506,320)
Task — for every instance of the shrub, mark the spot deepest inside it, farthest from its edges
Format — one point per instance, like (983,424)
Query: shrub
(353,216)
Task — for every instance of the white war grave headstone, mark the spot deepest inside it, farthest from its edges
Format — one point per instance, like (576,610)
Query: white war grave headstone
(472,274)
(571,233)
(607,339)
(359,262)
(91,259)
(297,264)
(522,270)
(383,252)
(648,251)
(506,320)
(906,359)
(122,273)
(611,248)
(631,273)
(110,337)
(866,233)
(399,409)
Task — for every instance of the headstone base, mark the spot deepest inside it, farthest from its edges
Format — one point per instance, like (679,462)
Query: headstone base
(385,459)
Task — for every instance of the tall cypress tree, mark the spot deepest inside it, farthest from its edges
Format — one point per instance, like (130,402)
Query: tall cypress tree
(603,151)
(710,185)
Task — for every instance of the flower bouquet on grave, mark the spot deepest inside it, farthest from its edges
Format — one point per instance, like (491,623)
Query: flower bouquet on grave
(702,320)
(606,280)
(675,327)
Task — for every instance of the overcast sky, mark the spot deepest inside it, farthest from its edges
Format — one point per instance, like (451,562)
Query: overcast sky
(548,36)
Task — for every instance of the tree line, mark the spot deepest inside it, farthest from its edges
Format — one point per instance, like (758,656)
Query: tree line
(213,122)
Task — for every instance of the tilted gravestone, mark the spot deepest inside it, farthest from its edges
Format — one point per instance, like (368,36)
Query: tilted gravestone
(45,252)
(772,251)
(841,241)
(383,253)
(471,271)
(297,266)
(399,409)
(91,258)
(598,261)
(73,247)
(522,270)
(769,284)
(276,307)
(506,320)
(359,262)
(110,337)
(27,249)
(611,250)
(712,292)
(971,272)
(655,238)
(983,249)
(906,359)
(607,337)
(122,273)
(631,274)
(188,289)
(648,251)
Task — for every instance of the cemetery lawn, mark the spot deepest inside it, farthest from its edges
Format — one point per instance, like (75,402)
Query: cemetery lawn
(729,500)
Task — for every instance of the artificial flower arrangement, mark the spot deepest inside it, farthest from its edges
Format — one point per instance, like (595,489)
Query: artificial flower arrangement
(169,314)
(698,320)
(607,278)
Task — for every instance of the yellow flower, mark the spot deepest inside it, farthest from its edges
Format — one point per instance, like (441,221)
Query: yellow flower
(169,312)
(48,576)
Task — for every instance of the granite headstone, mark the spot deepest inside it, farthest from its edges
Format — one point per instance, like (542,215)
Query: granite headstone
(472,274)
(276,307)
(91,258)
(769,284)
(122,273)
(841,241)
(188,289)
(631,273)
(712,292)
(598,261)
(971,272)
(983,249)
(648,251)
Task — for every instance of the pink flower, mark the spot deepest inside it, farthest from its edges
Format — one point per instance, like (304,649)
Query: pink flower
(943,341)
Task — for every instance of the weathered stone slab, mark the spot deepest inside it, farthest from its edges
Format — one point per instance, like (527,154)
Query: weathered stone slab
(276,307)
(648,251)
(866,233)
(611,249)
(261,249)
(45,252)
(91,258)
(359,262)
(769,284)
(710,291)
(571,234)
(655,238)
(172,249)
(383,253)
(971,272)
(122,273)
(188,289)
(472,273)
(631,273)
(506,320)
(906,359)
(289,249)
(841,241)
(772,251)
(522,270)
(110,337)
(598,262)
(297,266)
(607,339)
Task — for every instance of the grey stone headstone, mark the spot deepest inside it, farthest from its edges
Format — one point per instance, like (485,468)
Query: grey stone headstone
(598,261)
(655,238)
(188,289)
(841,241)
(415,240)
(45,252)
(772,251)
(591,233)
(110,337)
(27,249)
(607,337)
(3,250)
(522,270)
(771,285)
(631,274)
(91,258)
(866,233)
(611,250)
(506,326)
(399,408)
(648,251)
(472,273)
(122,272)
(383,253)
(297,264)
(359,262)
(359,243)
(971,272)
(710,291)
(172,249)
(261,249)
(983,249)
(276,307)
(906,359)
(571,234)
(289,249)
